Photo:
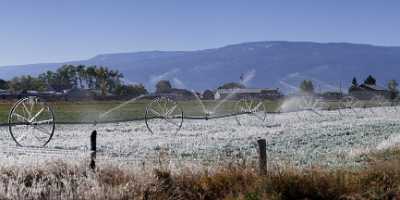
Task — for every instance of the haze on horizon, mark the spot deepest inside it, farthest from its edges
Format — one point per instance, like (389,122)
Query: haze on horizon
(57,31)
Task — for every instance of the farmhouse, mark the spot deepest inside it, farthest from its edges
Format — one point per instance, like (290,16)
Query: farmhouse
(238,93)
(367,91)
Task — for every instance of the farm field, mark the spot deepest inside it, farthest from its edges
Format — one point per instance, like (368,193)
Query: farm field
(297,138)
(319,147)
(89,111)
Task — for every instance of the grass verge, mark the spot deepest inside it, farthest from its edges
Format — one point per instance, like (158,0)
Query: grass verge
(378,179)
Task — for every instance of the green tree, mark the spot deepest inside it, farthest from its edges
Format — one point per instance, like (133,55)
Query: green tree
(51,80)
(114,79)
(67,77)
(91,76)
(370,80)
(163,86)
(81,72)
(102,75)
(392,87)
(232,85)
(3,84)
(24,83)
(307,86)
(130,90)
(354,82)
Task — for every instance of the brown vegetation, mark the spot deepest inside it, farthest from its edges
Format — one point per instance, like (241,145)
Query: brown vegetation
(378,179)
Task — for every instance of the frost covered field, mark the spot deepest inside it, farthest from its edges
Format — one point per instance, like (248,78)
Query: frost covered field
(298,138)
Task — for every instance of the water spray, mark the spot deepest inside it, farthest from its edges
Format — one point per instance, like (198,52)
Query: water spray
(120,106)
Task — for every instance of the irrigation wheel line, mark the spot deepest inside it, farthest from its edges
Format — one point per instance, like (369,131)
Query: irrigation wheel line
(167,110)
(251,107)
(198,117)
(30,118)
(307,106)
(94,122)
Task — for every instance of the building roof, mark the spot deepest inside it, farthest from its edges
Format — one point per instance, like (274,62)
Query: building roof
(373,87)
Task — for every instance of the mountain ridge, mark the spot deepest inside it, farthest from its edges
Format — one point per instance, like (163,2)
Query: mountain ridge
(275,64)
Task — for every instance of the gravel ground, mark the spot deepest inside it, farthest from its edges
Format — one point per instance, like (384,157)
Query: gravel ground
(299,138)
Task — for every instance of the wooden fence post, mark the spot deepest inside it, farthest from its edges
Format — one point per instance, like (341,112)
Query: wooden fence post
(262,149)
(93,150)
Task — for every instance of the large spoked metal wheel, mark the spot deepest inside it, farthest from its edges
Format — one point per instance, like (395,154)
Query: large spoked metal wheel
(314,105)
(163,115)
(31,122)
(350,106)
(381,104)
(250,111)
(310,107)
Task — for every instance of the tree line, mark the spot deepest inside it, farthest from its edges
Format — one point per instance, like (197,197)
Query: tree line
(306,86)
(70,76)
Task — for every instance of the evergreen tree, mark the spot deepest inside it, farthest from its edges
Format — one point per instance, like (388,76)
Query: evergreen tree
(354,82)
(370,80)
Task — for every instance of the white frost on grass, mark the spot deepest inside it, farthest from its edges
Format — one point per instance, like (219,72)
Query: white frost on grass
(300,138)
(393,140)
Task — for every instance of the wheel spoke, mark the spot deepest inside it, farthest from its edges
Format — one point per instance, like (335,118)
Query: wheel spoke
(159,105)
(252,102)
(257,106)
(43,122)
(170,111)
(315,112)
(248,107)
(32,103)
(255,115)
(154,112)
(26,109)
(20,116)
(42,130)
(172,122)
(22,136)
(243,104)
(36,115)
(37,138)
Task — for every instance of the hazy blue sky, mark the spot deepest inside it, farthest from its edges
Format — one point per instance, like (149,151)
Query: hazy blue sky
(35,31)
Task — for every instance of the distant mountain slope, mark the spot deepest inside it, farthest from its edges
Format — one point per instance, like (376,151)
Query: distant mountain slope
(274,64)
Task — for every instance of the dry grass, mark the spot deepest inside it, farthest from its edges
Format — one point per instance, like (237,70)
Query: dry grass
(379,179)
